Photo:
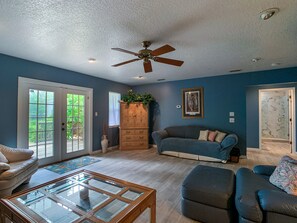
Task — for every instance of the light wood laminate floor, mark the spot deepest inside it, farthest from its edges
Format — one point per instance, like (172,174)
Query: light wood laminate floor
(164,173)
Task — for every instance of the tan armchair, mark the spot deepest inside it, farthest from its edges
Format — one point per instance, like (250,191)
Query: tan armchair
(18,170)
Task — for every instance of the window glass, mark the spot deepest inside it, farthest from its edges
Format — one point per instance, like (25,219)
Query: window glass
(114,109)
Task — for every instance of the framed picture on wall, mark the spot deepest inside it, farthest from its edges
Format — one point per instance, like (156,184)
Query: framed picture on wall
(192,99)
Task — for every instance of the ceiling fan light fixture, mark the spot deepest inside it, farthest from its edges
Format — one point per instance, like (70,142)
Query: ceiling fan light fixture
(268,13)
(147,55)
(256,59)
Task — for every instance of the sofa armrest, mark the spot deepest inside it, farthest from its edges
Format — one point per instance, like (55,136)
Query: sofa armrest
(229,141)
(278,202)
(266,170)
(158,136)
(15,155)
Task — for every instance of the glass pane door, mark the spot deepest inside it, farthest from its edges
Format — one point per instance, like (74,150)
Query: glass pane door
(73,124)
(41,123)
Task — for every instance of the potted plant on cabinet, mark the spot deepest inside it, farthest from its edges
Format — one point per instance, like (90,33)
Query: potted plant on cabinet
(131,97)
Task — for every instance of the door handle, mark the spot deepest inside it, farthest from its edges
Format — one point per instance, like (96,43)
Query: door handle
(63,129)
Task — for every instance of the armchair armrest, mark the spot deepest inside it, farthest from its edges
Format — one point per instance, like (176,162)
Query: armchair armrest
(278,202)
(266,170)
(158,136)
(15,155)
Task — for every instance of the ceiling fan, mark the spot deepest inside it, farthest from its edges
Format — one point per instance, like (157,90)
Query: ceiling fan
(147,55)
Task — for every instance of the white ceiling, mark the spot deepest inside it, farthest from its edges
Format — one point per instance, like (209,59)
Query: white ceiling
(211,36)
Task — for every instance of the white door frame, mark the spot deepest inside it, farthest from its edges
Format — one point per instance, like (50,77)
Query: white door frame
(293,115)
(23,101)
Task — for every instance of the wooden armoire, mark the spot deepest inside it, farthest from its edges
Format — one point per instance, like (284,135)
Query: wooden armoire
(133,126)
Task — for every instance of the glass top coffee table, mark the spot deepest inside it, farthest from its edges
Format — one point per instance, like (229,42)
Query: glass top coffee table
(84,197)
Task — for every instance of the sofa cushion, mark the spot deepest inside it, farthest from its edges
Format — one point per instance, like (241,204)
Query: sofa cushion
(278,202)
(184,131)
(192,132)
(212,135)
(15,155)
(220,136)
(176,131)
(246,200)
(3,158)
(203,135)
(285,175)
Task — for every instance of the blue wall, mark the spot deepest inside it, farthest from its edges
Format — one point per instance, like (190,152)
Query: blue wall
(222,94)
(11,68)
(252,106)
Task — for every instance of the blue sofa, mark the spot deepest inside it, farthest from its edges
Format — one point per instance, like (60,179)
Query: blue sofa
(257,200)
(182,141)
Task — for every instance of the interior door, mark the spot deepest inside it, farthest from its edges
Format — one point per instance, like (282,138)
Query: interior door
(73,123)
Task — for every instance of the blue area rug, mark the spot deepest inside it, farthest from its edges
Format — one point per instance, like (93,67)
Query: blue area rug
(66,166)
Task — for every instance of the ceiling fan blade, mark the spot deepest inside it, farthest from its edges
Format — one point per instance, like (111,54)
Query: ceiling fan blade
(147,66)
(162,50)
(169,61)
(125,51)
(128,61)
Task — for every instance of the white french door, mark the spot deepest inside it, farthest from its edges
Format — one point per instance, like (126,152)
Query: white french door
(54,120)
(73,125)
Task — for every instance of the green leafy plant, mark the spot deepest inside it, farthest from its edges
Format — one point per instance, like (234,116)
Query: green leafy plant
(131,97)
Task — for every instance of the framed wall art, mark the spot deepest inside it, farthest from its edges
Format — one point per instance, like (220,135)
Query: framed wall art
(192,99)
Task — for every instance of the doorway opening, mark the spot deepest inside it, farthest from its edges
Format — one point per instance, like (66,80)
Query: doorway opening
(277,120)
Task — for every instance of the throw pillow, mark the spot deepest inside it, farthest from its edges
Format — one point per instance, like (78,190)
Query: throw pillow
(4,167)
(203,135)
(220,136)
(285,175)
(15,155)
(3,158)
(212,135)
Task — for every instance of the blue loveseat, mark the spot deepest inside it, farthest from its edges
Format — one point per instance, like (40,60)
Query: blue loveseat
(182,141)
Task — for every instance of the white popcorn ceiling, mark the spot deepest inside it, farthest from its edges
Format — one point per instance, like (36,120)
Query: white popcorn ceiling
(211,36)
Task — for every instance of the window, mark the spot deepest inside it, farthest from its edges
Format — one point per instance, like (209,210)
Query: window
(114,109)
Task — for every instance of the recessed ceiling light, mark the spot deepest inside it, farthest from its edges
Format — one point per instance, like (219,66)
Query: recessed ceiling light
(255,60)
(268,13)
(139,77)
(236,70)
(162,79)
(92,60)
(275,64)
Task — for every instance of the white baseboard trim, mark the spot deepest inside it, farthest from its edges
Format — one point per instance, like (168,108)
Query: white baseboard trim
(250,148)
(95,152)
(108,149)
(113,148)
